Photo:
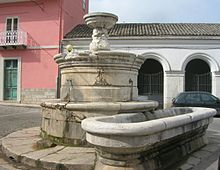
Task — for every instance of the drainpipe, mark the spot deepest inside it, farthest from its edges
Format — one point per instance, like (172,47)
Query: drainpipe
(60,46)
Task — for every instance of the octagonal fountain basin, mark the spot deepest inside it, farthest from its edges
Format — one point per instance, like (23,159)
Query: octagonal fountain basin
(61,121)
(154,140)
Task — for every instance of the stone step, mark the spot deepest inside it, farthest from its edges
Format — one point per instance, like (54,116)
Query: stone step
(20,147)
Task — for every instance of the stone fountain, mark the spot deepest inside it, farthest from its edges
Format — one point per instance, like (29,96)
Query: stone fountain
(99,107)
(93,83)
(99,90)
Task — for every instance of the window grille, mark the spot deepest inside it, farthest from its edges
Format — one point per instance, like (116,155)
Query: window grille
(149,84)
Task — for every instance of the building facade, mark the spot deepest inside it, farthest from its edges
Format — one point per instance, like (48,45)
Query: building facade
(179,57)
(30,35)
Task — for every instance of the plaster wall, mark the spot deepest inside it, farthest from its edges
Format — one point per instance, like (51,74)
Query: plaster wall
(173,54)
(37,66)
(39,19)
(73,13)
(45,22)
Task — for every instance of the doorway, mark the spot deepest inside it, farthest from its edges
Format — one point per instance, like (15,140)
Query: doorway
(10,79)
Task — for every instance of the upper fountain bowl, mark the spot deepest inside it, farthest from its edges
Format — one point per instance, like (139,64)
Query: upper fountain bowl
(100,20)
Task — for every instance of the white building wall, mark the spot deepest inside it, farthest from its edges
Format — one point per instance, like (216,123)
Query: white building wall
(173,84)
(216,83)
(173,54)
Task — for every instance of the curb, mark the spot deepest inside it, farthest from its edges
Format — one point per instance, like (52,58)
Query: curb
(20,105)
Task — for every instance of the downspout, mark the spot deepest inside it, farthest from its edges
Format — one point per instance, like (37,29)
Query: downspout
(60,46)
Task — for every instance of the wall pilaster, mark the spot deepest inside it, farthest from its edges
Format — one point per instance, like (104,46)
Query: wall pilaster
(173,84)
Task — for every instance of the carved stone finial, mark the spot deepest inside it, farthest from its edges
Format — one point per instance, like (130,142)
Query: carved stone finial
(69,48)
(101,23)
(71,52)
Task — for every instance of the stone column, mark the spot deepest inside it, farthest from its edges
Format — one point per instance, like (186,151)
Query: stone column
(216,83)
(173,84)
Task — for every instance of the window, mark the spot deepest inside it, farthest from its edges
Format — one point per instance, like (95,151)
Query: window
(181,98)
(208,99)
(193,98)
(84,4)
(11,30)
(12,24)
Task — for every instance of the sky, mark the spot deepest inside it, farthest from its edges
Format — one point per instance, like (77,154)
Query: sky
(160,11)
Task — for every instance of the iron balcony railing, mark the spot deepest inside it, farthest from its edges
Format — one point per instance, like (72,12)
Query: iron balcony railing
(13,38)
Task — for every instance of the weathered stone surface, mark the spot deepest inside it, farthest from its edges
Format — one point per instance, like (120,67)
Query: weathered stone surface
(79,161)
(158,139)
(186,167)
(16,144)
(62,121)
(32,158)
(23,149)
(36,96)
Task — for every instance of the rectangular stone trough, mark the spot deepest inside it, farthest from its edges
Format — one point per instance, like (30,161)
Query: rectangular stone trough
(152,140)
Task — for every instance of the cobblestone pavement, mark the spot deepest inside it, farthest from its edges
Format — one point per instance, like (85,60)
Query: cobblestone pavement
(16,118)
(13,119)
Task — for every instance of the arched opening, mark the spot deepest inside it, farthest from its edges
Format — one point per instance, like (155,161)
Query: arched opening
(150,81)
(198,76)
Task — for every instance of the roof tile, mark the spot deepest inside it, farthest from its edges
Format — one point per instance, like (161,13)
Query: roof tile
(150,29)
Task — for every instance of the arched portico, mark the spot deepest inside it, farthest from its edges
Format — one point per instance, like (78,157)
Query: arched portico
(151,77)
(213,64)
(198,76)
(162,60)
(213,71)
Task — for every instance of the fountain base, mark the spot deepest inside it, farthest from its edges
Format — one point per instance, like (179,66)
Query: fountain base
(20,147)
(61,121)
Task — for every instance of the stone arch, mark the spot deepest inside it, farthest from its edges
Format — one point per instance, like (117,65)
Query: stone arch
(162,60)
(213,64)
(151,79)
(199,79)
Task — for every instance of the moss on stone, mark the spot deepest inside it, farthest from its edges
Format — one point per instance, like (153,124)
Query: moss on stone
(62,141)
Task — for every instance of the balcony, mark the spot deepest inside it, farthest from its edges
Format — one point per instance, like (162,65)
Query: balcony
(13,40)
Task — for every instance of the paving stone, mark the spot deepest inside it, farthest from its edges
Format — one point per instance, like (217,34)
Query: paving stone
(25,133)
(4,165)
(210,148)
(1,168)
(201,154)
(193,161)
(74,150)
(16,151)
(79,161)
(186,167)
(31,158)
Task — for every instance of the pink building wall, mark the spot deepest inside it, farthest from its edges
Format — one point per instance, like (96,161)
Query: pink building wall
(73,17)
(42,25)
(41,20)
(37,66)
(46,22)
